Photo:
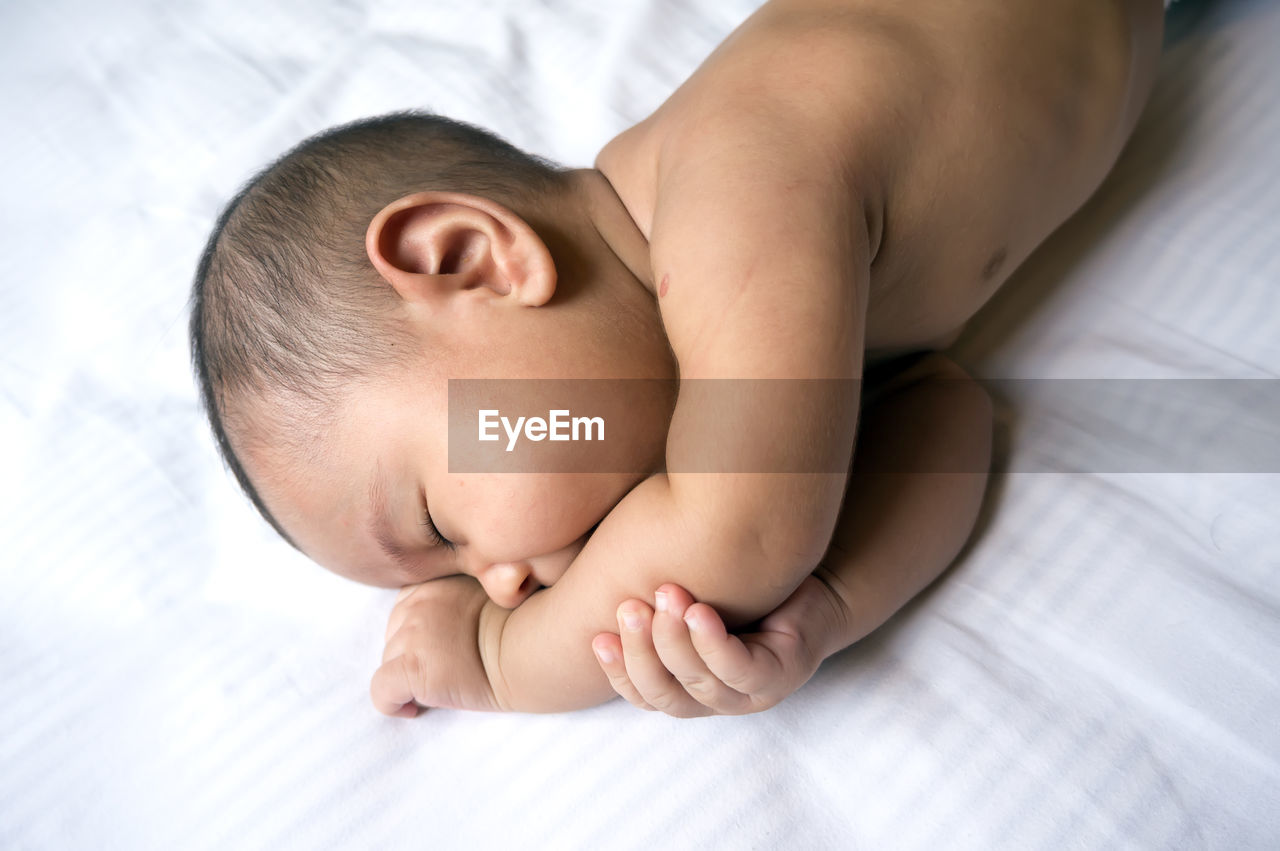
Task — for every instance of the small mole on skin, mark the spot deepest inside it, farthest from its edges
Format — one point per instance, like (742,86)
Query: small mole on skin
(993,265)
(662,287)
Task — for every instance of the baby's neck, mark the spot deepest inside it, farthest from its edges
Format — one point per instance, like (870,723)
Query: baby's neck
(608,215)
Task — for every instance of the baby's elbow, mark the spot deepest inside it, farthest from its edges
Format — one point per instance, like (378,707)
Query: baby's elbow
(734,562)
(773,556)
(797,551)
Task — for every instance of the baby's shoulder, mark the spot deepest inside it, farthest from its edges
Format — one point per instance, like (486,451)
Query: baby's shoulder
(629,162)
(804,94)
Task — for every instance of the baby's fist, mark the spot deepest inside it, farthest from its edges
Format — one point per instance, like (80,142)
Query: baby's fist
(431,656)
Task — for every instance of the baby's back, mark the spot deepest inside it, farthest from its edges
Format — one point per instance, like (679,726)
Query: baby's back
(973,128)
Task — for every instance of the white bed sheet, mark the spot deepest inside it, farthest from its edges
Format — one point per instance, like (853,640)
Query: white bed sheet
(1099,670)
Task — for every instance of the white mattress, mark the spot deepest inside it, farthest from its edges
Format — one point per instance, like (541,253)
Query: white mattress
(1101,669)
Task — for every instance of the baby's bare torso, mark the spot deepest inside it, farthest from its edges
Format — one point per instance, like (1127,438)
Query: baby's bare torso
(975,128)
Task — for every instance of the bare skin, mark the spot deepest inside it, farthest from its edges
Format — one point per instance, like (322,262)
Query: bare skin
(912,500)
(970,132)
(1083,73)
(917,484)
(839,181)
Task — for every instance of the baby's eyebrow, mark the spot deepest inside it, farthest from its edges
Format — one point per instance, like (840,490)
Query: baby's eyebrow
(380,525)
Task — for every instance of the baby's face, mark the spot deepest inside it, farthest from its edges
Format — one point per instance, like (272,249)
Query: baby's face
(372,496)
(379,504)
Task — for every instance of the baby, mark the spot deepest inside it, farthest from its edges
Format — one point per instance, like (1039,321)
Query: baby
(842,182)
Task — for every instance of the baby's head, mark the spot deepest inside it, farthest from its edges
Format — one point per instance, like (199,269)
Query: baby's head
(344,286)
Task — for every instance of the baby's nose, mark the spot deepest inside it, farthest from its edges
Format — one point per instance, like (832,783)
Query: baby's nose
(508,584)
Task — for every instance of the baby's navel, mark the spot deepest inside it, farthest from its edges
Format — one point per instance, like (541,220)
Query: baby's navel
(662,287)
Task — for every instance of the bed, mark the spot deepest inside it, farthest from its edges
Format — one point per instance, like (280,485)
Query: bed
(1100,669)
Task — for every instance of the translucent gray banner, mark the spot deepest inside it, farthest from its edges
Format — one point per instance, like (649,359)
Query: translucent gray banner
(1127,425)
(1051,425)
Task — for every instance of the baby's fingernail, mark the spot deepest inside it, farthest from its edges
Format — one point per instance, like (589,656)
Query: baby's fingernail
(691,622)
(631,619)
(606,655)
(660,600)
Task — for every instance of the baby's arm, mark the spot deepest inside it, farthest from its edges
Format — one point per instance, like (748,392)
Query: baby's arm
(763,267)
(449,645)
(917,484)
(903,522)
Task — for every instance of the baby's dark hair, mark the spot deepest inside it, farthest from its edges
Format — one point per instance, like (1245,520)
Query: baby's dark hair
(286,307)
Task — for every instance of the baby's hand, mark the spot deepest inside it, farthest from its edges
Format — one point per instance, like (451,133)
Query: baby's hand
(682,661)
(431,656)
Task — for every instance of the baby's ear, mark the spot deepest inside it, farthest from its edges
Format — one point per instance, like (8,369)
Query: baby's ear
(430,245)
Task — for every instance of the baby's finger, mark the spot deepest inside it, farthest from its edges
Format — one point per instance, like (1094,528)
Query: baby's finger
(726,656)
(391,689)
(674,646)
(645,670)
(608,650)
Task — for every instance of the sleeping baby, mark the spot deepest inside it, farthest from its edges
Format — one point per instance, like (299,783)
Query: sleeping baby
(755,273)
